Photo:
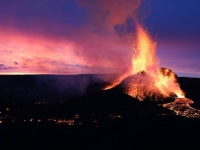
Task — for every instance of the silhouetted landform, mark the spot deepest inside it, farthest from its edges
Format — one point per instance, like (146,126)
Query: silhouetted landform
(191,86)
(142,86)
(72,112)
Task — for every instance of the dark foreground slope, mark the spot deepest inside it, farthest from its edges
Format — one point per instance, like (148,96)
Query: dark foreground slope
(94,121)
(191,86)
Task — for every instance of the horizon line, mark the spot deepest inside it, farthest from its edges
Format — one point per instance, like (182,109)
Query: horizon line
(63,74)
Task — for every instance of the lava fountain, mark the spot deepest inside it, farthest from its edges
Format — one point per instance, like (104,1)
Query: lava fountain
(145,77)
(146,80)
(144,55)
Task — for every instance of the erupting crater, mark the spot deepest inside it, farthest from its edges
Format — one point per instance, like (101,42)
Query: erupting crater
(146,80)
(143,85)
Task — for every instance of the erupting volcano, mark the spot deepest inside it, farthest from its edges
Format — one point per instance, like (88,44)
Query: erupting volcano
(145,72)
(146,80)
(91,74)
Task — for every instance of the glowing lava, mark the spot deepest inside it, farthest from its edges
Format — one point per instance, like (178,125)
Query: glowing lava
(156,81)
(181,107)
(145,80)
(144,52)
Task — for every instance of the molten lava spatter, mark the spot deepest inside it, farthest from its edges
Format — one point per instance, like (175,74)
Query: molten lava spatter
(143,85)
(167,82)
(155,81)
(144,55)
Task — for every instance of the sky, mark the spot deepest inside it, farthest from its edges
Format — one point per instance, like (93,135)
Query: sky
(96,36)
(175,26)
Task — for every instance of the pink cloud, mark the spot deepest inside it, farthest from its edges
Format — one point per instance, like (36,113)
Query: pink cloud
(93,47)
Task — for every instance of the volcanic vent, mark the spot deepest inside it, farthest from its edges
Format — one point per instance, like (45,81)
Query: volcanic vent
(144,78)
(143,85)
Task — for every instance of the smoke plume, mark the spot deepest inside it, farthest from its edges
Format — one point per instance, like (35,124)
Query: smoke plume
(82,36)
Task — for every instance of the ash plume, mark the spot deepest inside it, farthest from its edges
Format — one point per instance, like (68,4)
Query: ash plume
(95,39)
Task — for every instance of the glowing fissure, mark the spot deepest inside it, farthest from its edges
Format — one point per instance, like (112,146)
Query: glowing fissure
(148,79)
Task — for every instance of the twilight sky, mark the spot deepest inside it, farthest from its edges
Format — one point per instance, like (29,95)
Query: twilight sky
(95,36)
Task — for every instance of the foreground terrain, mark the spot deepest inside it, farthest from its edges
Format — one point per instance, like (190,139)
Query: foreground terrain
(35,113)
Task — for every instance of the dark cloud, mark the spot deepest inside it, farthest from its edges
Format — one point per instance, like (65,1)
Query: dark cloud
(41,17)
(4,67)
(65,18)
(127,27)
(93,29)
(16,63)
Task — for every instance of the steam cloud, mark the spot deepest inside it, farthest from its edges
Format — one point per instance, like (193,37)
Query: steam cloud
(91,40)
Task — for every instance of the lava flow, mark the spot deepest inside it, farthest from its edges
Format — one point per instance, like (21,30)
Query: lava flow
(146,80)
(181,107)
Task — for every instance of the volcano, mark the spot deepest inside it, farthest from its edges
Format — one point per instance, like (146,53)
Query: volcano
(143,86)
(145,79)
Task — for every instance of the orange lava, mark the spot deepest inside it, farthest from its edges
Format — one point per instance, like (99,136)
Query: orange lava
(117,81)
(144,52)
(163,80)
(166,82)
(184,100)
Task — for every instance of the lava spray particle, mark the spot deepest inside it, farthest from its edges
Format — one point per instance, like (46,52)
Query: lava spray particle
(144,55)
(159,81)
